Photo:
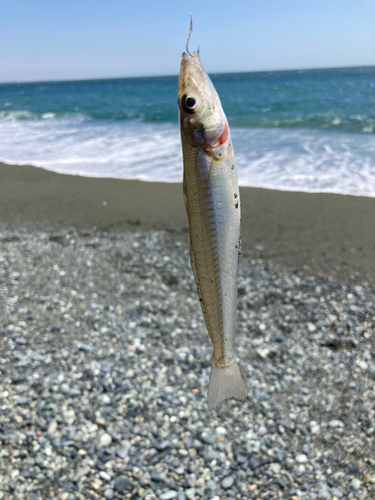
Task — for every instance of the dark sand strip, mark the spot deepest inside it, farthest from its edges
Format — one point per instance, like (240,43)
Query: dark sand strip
(327,232)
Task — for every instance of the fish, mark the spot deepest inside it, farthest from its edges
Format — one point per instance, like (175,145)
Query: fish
(212,202)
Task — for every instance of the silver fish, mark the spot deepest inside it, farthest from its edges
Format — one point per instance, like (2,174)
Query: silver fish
(212,202)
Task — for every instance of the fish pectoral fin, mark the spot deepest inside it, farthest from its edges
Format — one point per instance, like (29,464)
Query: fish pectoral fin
(225,383)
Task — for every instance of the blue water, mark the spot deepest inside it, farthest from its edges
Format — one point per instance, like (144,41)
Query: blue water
(310,130)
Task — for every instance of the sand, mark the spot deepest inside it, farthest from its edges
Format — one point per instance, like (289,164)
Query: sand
(329,233)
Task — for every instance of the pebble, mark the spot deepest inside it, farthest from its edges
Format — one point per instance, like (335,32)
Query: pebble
(104,476)
(241,459)
(355,484)
(275,468)
(221,431)
(85,348)
(52,428)
(83,471)
(168,495)
(122,453)
(122,484)
(227,482)
(143,380)
(105,440)
(108,493)
(207,438)
(336,423)
(190,493)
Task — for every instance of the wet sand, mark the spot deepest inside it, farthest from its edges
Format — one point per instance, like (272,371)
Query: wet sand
(331,233)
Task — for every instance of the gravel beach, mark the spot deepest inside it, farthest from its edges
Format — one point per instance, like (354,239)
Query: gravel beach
(104,363)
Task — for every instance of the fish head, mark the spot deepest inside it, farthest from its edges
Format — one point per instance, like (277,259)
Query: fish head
(202,119)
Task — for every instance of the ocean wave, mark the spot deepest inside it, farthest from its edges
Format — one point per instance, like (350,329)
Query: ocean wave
(330,121)
(301,160)
(25,115)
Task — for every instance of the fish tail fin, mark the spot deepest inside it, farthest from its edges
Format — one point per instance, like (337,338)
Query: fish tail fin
(225,383)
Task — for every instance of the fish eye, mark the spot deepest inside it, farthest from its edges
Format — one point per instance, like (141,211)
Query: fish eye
(189,103)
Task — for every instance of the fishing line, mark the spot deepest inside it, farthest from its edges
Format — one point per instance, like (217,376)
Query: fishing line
(190,32)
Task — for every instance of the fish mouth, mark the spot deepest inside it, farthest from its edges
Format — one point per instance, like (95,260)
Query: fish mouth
(191,57)
(191,71)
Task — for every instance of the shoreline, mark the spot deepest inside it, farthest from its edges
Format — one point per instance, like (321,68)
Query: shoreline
(330,233)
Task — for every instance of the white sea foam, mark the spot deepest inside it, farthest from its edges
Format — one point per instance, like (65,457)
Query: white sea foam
(299,160)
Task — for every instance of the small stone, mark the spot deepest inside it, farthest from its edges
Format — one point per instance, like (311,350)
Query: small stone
(108,494)
(18,419)
(253,463)
(92,428)
(122,453)
(52,428)
(104,475)
(211,455)
(104,457)
(240,459)
(163,445)
(100,421)
(12,485)
(335,423)
(156,478)
(301,459)
(355,484)
(65,388)
(252,487)
(105,440)
(275,468)
(168,495)
(221,431)
(22,401)
(85,348)
(64,495)
(83,471)
(227,482)
(106,368)
(367,478)
(289,462)
(262,352)
(122,484)
(190,493)
(262,430)
(207,438)
(280,482)
(211,485)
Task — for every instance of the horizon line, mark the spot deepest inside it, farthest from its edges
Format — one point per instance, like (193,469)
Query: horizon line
(15,82)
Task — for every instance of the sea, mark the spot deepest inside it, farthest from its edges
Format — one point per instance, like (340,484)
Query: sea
(306,130)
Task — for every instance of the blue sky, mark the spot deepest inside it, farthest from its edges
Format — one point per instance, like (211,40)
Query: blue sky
(66,39)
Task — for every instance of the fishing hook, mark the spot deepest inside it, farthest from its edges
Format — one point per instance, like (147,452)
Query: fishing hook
(190,32)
